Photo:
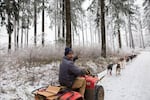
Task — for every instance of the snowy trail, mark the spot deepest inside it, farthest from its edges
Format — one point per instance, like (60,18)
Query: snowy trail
(133,83)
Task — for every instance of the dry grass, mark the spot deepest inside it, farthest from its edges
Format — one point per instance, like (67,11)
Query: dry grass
(37,56)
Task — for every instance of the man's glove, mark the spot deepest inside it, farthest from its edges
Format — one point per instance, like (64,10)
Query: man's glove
(86,71)
(75,58)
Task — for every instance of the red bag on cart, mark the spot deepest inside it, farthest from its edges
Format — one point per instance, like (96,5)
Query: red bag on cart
(71,95)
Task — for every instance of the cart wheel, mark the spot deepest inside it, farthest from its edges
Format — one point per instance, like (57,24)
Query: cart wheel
(99,92)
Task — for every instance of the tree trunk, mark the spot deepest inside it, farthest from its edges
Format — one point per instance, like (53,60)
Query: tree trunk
(9,30)
(35,23)
(63,19)
(22,30)
(91,33)
(9,41)
(79,40)
(113,40)
(22,37)
(68,24)
(43,23)
(103,34)
(130,33)
(18,28)
(126,33)
(55,27)
(141,33)
(27,36)
(18,25)
(73,37)
(98,15)
(9,26)
(58,20)
(149,28)
(86,33)
(99,36)
(15,32)
(82,31)
(119,34)
(119,39)
(28,31)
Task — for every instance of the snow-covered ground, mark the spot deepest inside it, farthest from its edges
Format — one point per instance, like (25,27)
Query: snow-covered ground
(133,83)
(17,82)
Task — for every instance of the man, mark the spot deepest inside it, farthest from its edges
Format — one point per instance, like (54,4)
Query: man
(69,73)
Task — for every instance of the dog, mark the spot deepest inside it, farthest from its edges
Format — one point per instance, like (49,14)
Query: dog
(130,57)
(109,69)
(127,59)
(118,69)
(122,62)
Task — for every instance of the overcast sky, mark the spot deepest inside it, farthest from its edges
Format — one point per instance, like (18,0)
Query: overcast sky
(88,2)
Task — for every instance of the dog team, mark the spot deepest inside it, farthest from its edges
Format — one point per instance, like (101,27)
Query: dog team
(121,63)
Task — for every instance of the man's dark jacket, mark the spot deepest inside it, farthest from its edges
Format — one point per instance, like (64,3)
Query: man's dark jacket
(68,72)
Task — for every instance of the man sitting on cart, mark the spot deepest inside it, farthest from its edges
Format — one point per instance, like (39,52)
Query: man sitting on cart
(69,74)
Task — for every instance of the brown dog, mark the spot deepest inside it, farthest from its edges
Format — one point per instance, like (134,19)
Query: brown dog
(118,69)
(122,62)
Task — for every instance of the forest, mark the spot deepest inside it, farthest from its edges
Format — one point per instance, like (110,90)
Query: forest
(102,21)
(34,34)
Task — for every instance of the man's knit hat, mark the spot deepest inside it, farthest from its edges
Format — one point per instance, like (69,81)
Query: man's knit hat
(67,50)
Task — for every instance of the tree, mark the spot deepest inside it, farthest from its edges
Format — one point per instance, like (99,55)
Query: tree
(117,8)
(18,26)
(8,9)
(120,11)
(103,34)
(63,18)
(68,24)
(57,13)
(25,19)
(130,16)
(131,41)
(141,35)
(146,6)
(82,28)
(98,19)
(43,22)
(35,22)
